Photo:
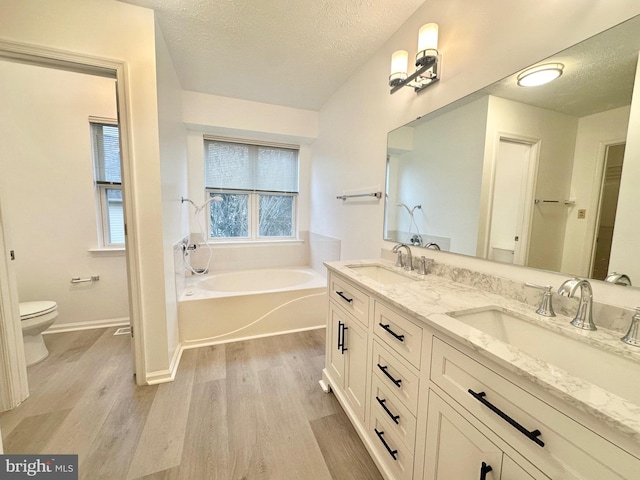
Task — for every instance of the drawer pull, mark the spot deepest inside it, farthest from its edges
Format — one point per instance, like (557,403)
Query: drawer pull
(531,435)
(342,295)
(389,376)
(393,453)
(484,470)
(386,409)
(340,335)
(391,332)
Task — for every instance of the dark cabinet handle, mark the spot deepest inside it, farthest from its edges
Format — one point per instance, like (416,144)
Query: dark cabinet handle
(484,470)
(388,330)
(341,338)
(389,376)
(531,435)
(386,409)
(344,339)
(393,453)
(347,299)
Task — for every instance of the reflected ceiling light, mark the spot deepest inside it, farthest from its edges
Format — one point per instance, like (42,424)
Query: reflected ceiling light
(540,74)
(427,60)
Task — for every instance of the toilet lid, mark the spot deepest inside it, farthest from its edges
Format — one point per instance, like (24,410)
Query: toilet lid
(35,309)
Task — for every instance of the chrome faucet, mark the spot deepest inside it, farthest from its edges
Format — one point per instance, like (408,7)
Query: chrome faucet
(633,335)
(408,263)
(546,305)
(618,279)
(584,317)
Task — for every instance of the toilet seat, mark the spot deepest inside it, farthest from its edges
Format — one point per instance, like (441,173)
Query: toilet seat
(36,309)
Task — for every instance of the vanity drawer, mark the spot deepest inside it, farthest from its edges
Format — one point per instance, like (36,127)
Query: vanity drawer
(396,376)
(397,457)
(349,297)
(385,404)
(399,333)
(517,416)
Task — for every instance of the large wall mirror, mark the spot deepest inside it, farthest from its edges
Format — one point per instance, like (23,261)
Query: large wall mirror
(535,176)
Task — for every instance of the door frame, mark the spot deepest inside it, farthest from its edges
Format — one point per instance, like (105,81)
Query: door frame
(529,194)
(598,186)
(13,383)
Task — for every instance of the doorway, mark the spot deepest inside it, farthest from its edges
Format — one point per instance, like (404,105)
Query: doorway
(607,207)
(13,384)
(513,186)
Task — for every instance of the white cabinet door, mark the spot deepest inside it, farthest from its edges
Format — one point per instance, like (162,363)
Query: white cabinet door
(355,374)
(335,349)
(455,449)
(512,471)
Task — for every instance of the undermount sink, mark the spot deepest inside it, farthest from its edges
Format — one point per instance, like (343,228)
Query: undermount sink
(614,373)
(381,274)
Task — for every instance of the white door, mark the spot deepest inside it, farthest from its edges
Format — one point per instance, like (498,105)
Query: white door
(511,203)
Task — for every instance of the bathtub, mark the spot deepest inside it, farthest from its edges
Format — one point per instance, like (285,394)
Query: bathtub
(231,306)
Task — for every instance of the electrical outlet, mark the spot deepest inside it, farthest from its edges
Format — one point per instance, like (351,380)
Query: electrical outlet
(582,213)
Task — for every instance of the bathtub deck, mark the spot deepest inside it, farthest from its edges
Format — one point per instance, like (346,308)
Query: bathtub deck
(245,410)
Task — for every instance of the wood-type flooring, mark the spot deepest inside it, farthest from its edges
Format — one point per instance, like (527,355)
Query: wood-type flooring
(250,410)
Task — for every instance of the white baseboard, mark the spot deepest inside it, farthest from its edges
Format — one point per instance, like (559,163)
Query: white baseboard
(165,376)
(75,326)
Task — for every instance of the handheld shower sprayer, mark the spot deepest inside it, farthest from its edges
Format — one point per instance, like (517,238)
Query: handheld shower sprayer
(410,212)
(198,210)
(412,221)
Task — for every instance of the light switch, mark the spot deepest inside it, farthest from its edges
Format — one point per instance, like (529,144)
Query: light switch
(582,213)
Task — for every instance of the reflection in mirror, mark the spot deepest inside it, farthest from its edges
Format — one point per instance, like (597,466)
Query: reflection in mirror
(542,177)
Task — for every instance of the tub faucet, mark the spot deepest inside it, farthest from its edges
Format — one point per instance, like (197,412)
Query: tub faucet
(584,317)
(408,263)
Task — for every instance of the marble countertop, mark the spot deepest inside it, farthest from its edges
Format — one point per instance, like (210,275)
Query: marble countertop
(431,297)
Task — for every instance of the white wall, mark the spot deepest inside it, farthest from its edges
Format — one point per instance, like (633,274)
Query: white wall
(47,178)
(229,117)
(173,170)
(594,132)
(111,29)
(626,233)
(481,42)
(556,135)
(443,174)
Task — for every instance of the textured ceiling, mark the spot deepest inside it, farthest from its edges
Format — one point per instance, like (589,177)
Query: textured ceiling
(599,75)
(285,52)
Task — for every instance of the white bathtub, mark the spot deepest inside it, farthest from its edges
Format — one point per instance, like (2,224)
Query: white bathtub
(230,306)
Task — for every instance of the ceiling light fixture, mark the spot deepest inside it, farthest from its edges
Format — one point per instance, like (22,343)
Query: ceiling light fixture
(427,60)
(540,74)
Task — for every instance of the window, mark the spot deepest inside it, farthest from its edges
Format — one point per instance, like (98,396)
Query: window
(105,142)
(253,190)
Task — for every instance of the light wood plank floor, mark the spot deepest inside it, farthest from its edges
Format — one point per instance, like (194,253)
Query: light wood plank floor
(240,411)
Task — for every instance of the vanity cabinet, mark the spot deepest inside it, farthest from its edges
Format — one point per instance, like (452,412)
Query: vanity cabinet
(455,449)
(347,357)
(427,407)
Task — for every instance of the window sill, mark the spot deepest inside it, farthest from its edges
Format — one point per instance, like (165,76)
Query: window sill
(108,252)
(251,243)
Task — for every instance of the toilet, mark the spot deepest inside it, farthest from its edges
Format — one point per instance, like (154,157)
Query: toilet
(35,318)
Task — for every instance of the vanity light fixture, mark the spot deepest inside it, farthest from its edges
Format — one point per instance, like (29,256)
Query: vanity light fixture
(427,60)
(540,74)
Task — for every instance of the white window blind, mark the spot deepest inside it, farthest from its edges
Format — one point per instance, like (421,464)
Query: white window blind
(250,167)
(105,143)
(106,150)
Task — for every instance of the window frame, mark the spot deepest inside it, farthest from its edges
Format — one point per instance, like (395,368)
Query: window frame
(253,198)
(253,216)
(101,194)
